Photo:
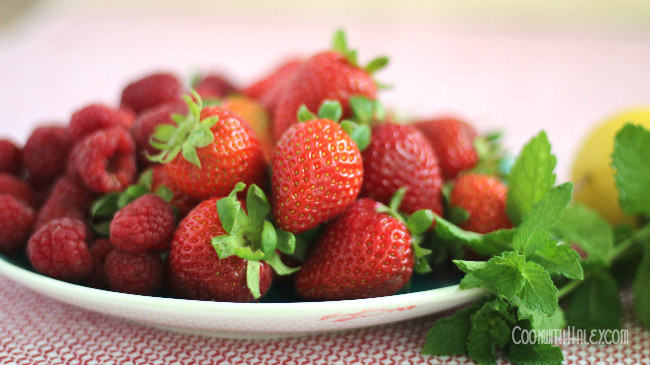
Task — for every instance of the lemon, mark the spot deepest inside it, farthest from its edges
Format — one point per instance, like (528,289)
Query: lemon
(592,173)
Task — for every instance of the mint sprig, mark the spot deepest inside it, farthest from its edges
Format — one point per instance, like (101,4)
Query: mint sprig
(533,266)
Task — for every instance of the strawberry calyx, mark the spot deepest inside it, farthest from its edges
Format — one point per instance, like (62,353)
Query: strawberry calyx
(250,236)
(105,207)
(364,113)
(189,133)
(417,223)
(340,45)
(492,157)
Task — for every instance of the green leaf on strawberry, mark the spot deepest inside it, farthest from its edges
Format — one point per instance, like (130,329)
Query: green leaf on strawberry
(250,235)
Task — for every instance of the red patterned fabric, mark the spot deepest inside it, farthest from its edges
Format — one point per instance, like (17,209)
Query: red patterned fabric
(36,330)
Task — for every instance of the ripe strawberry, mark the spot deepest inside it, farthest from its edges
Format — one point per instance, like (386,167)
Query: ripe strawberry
(95,117)
(220,253)
(104,160)
(45,154)
(209,152)
(146,223)
(16,221)
(182,202)
(333,75)
(270,89)
(453,141)
(213,86)
(59,250)
(256,117)
(150,91)
(317,172)
(484,199)
(368,251)
(133,273)
(11,160)
(399,156)
(146,123)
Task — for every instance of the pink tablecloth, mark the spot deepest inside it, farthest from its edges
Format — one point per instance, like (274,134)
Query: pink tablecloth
(37,330)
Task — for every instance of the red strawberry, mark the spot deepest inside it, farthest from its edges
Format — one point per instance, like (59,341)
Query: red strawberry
(209,152)
(214,86)
(183,202)
(150,91)
(364,253)
(270,89)
(317,172)
(257,118)
(453,141)
(333,75)
(484,199)
(399,156)
(218,250)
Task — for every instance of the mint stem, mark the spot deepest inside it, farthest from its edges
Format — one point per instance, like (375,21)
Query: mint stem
(617,252)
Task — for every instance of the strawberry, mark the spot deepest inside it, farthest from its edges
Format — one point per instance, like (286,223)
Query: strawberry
(399,156)
(256,116)
(270,89)
(453,141)
(209,151)
(483,197)
(224,251)
(333,75)
(317,172)
(368,251)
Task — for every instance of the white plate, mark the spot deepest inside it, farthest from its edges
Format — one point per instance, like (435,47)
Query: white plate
(244,320)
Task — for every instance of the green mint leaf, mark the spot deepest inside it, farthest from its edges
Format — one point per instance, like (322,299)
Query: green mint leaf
(559,259)
(538,293)
(131,193)
(448,335)
(595,303)
(585,228)
(456,214)
(498,241)
(641,289)
(531,177)
(540,321)
(537,354)
(489,331)
(535,229)
(501,274)
(630,160)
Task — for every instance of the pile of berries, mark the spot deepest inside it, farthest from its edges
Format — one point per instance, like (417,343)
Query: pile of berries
(215,191)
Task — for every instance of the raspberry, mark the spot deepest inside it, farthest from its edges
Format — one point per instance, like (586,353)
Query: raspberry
(95,117)
(73,192)
(99,250)
(16,221)
(214,86)
(10,184)
(45,154)
(59,250)
(147,223)
(104,160)
(150,91)
(133,273)
(146,124)
(11,160)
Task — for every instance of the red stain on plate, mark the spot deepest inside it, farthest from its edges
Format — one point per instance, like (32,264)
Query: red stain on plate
(342,317)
